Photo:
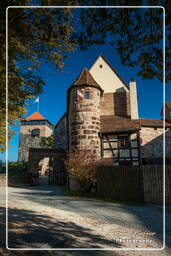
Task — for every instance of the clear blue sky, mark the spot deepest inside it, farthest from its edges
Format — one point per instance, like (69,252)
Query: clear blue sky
(53,99)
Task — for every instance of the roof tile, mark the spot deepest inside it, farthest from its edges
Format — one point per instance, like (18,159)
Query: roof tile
(35,116)
(85,78)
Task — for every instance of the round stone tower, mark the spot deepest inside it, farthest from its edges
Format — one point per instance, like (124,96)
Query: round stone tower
(84,115)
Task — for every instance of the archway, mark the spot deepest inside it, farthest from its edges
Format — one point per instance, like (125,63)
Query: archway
(48,164)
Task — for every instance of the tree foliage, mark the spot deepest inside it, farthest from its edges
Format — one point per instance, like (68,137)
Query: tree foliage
(82,167)
(47,142)
(50,35)
(136,33)
(34,35)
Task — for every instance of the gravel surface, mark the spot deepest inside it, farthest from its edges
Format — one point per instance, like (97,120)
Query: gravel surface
(43,217)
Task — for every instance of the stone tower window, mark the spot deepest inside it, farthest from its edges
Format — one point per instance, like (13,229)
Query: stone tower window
(87,94)
(35,132)
(100,65)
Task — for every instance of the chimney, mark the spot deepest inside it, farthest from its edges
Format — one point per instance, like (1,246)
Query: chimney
(133,99)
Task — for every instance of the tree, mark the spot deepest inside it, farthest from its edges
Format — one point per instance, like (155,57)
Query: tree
(47,142)
(50,35)
(82,167)
(34,35)
(137,34)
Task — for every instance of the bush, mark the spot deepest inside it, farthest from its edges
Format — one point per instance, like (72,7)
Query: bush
(2,167)
(81,166)
(17,167)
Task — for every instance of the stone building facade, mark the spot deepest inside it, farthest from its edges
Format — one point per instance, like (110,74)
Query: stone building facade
(32,130)
(102,117)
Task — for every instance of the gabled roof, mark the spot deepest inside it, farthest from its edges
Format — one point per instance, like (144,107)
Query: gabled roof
(113,69)
(35,116)
(85,78)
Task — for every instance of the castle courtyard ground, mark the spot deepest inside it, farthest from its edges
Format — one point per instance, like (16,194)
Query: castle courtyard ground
(43,217)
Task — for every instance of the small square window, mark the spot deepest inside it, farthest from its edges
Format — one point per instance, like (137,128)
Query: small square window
(87,95)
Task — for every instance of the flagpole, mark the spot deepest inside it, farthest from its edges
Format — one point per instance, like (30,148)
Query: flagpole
(38,106)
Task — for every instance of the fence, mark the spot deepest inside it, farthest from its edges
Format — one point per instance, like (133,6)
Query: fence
(129,183)
(120,183)
(153,181)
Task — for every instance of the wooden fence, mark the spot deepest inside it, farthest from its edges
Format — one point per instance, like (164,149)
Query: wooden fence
(153,181)
(129,183)
(120,183)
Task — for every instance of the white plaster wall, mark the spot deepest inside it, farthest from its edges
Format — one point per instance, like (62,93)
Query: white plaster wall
(106,77)
(152,142)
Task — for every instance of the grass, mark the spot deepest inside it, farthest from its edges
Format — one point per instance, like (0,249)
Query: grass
(89,196)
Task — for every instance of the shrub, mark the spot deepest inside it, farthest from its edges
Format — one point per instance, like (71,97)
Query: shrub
(17,167)
(81,166)
(2,167)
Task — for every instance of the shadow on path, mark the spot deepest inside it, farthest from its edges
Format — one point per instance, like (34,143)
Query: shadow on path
(27,229)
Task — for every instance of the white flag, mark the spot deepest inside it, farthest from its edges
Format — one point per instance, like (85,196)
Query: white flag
(37,100)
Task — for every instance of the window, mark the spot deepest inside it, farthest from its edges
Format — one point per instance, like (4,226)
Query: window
(123,142)
(87,95)
(35,132)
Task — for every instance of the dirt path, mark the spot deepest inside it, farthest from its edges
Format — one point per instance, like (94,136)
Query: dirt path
(35,223)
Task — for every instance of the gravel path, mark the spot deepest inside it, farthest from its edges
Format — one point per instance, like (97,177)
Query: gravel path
(51,217)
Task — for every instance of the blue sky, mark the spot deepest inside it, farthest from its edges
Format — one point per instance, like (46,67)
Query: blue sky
(53,99)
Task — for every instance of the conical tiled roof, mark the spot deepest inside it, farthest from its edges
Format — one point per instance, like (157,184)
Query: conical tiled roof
(85,78)
(35,116)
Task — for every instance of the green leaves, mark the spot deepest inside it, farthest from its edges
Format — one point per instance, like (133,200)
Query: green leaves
(34,35)
(136,33)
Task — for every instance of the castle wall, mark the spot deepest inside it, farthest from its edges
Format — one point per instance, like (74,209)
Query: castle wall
(28,141)
(84,123)
(60,132)
(117,104)
(45,131)
(152,142)
(167,114)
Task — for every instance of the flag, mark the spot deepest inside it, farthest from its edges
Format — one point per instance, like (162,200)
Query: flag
(37,100)
(80,94)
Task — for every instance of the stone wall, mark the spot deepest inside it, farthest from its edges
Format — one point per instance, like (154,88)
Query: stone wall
(84,123)
(28,141)
(45,131)
(152,142)
(117,103)
(60,132)
(167,113)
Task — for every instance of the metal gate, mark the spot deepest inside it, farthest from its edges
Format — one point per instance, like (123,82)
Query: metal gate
(57,173)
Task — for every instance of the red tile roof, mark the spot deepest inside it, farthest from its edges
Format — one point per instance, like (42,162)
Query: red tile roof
(35,116)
